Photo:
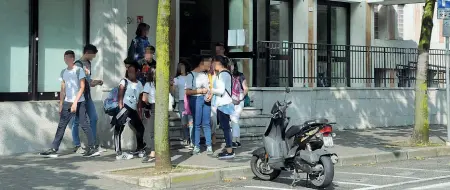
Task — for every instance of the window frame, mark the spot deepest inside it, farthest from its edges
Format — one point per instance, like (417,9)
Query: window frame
(33,94)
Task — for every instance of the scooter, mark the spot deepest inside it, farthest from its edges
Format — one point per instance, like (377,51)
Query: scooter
(298,148)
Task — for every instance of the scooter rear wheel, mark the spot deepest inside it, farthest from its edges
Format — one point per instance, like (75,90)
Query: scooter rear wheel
(262,171)
(325,178)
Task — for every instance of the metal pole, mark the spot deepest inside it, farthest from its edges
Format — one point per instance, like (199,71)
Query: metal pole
(447,82)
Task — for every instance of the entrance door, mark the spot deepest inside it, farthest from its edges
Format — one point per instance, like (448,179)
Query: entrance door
(240,36)
(333,38)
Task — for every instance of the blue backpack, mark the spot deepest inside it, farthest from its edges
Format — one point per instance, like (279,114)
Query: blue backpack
(111,103)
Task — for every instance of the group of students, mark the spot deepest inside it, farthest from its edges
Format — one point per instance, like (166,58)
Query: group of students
(211,93)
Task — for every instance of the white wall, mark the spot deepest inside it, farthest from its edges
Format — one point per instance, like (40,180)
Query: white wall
(352,107)
(146,8)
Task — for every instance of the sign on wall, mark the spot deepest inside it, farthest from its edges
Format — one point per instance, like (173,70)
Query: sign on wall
(140,19)
(443,9)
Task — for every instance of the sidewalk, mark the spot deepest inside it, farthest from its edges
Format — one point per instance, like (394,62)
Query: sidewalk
(30,171)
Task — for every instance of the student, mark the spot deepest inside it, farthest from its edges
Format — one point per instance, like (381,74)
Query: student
(177,85)
(146,63)
(148,97)
(211,77)
(89,53)
(137,47)
(130,90)
(197,88)
(72,103)
(222,100)
(240,82)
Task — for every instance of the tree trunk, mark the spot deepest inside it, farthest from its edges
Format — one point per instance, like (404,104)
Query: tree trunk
(163,162)
(421,122)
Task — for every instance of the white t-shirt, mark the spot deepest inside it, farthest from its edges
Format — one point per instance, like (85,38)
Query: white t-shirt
(150,89)
(180,83)
(72,83)
(200,81)
(131,96)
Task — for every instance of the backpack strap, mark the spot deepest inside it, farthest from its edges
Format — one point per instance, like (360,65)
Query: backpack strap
(192,79)
(218,76)
(62,73)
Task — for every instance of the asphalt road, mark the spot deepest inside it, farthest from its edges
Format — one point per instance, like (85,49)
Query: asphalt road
(432,173)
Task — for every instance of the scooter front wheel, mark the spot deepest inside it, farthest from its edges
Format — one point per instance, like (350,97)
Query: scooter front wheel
(262,170)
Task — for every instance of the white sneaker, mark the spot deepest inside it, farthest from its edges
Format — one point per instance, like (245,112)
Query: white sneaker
(124,156)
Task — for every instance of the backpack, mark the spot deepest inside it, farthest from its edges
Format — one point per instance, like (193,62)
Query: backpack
(236,86)
(87,89)
(111,103)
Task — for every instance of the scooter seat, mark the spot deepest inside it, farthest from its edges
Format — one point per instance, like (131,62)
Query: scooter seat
(293,130)
(320,121)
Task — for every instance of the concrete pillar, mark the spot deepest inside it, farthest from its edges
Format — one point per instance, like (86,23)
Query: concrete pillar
(300,37)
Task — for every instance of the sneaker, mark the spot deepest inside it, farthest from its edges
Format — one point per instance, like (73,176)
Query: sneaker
(124,156)
(226,155)
(78,149)
(191,146)
(234,145)
(209,150)
(238,144)
(99,148)
(51,153)
(91,152)
(141,153)
(148,159)
(196,151)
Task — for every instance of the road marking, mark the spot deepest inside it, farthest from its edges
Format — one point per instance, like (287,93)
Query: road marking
(359,184)
(270,188)
(416,169)
(439,185)
(380,175)
(175,157)
(404,183)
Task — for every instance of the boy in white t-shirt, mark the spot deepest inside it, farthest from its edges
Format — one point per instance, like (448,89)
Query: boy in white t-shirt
(72,103)
(148,97)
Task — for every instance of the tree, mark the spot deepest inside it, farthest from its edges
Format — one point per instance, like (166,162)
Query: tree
(421,121)
(162,150)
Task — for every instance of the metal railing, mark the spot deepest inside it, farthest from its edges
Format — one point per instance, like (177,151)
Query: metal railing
(316,65)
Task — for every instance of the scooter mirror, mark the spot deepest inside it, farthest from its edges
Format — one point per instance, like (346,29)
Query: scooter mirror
(288,90)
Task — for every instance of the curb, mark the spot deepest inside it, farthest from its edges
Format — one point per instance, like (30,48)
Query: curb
(214,175)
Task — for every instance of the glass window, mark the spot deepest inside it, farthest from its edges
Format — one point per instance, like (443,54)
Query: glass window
(61,28)
(241,17)
(14,45)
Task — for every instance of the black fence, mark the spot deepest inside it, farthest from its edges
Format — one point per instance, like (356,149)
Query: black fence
(315,65)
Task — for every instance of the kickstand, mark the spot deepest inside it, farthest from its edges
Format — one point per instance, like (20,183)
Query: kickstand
(307,180)
(296,178)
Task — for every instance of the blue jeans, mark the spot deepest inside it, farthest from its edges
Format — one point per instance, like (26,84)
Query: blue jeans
(92,114)
(201,114)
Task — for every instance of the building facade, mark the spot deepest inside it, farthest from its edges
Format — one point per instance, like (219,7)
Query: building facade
(367,48)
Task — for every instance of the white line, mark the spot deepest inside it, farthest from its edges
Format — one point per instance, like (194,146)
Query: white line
(380,175)
(270,188)
(359,184)
(404,183)
(175,157)
(431,186)
(416,169)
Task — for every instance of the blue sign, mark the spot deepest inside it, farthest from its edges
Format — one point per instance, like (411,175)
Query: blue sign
(442,4)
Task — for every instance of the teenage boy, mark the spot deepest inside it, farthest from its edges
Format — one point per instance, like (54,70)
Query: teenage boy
(89,53)
(72,103)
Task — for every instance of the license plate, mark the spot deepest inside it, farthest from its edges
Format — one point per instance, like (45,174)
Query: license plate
(328,141)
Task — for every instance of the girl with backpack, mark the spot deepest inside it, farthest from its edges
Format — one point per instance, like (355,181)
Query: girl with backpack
(177,86)
(130,90)
(239,91)
(148,97)
(222,88)
(197,90)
